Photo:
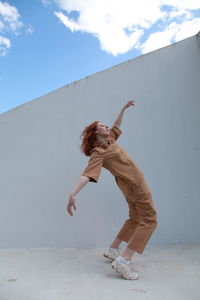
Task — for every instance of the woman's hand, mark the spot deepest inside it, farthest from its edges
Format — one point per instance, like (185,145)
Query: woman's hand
(71,204)
(129,103)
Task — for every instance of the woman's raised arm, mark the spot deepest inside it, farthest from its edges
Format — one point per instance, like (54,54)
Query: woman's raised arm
(120,116)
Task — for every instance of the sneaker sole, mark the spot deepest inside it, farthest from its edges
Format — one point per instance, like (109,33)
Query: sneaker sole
(106,256)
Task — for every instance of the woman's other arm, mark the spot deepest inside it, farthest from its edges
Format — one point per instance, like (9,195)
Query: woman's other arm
(90,173)
(118,120)
(72,202)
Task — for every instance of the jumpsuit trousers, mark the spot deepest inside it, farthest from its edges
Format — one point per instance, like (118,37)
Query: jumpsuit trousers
(142,221)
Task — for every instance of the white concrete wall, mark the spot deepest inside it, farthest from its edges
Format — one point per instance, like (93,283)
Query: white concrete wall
(41,160)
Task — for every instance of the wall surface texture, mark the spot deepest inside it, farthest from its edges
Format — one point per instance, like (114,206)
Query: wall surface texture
(41,162)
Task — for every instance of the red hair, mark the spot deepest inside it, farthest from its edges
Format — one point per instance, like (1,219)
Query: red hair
(89,139)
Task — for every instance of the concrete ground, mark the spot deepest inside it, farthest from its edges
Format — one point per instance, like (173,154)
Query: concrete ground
(170,272)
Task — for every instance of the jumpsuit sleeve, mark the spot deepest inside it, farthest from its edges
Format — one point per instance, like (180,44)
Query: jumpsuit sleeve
(94,166)
(115,132)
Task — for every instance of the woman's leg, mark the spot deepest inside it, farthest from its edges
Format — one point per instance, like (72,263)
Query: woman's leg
(116,243)
(129,226)
(128,229)
(142,221)
(147,218)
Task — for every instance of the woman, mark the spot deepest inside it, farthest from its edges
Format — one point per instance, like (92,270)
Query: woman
(99,143)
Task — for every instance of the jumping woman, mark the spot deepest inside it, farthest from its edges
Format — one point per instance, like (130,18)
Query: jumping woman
(99,143)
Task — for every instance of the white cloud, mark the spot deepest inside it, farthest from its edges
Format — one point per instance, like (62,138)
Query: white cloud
(46,2)
(182,4)
(29,30)
(10,18)
(1,25)
(158,40)
(10,22)
(185,29)
(4,45)
(120,24)
(67,22)
(172,33)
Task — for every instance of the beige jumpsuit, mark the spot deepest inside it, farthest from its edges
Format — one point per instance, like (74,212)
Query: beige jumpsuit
(142,221)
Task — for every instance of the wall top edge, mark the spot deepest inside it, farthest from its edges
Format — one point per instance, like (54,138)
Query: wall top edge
(94,74)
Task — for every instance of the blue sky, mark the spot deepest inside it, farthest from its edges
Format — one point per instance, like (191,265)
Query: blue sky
(46,44)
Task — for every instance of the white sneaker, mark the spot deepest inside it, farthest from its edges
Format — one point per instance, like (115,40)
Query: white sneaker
(131,266)
(111,253)
(124,268)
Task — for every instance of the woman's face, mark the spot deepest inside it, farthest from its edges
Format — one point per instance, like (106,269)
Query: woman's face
(102,130)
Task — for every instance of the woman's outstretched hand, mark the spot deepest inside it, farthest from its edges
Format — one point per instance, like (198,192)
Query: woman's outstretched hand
(71,204)
(129,103)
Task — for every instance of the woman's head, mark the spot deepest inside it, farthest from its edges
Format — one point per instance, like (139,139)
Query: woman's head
(102,130)
(90,136)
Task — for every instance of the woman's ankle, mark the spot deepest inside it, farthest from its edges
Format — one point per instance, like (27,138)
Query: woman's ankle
(128,254)
(127,258)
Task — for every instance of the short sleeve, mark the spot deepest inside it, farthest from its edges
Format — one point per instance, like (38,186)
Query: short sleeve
(94,166)
(115,132)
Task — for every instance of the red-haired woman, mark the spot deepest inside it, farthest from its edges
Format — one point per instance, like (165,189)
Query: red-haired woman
(99,142)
